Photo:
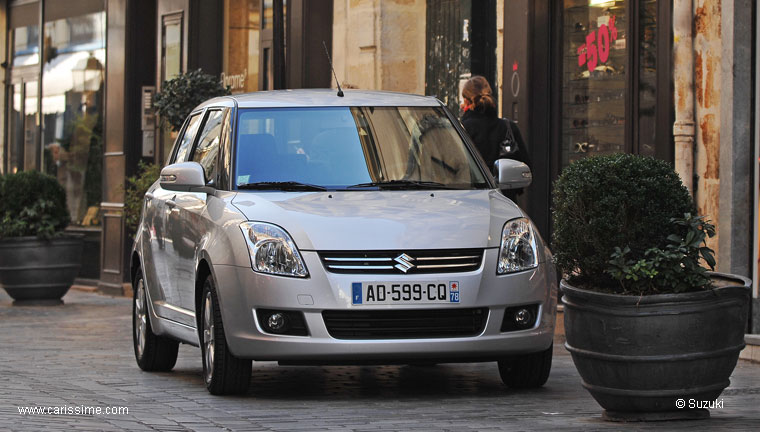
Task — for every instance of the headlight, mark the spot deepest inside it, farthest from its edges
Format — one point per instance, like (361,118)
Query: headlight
(518,247)
(272,250)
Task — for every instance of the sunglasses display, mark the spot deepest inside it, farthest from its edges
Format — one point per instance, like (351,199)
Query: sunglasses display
(595,61)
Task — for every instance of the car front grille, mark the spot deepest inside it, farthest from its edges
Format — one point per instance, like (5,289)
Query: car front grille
(405,324)
(402,262)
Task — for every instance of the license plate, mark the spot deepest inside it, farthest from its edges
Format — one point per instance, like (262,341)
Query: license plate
(383,293)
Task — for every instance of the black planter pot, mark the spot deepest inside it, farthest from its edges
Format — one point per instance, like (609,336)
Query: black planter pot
(35,270)
(638,356)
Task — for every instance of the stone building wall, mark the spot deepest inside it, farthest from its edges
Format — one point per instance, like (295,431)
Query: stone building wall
(380,44)
(707,83)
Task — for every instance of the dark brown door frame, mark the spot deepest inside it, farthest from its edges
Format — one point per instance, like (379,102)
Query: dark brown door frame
(272,66)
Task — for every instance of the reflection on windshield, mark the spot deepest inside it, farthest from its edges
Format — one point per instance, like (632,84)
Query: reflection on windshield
(341,147)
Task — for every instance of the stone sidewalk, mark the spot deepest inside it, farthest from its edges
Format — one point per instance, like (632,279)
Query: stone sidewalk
(80,354)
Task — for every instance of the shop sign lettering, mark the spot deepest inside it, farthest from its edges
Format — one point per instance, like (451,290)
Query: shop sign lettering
(597,47)
(234,82)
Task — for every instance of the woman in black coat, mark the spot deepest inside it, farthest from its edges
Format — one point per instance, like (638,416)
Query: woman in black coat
(481,121)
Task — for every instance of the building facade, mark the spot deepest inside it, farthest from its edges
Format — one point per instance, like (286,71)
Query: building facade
(580,77)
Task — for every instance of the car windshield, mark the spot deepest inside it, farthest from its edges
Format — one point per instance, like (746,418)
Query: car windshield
(352,148)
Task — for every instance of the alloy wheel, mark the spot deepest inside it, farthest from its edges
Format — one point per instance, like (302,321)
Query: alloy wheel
(141,318)
(208,336)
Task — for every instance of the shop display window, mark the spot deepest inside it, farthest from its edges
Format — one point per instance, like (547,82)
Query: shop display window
(595,61)
(73,76)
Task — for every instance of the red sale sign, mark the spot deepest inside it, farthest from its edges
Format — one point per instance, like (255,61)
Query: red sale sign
(597,47)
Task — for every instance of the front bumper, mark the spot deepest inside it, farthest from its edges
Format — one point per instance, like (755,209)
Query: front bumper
(241,291)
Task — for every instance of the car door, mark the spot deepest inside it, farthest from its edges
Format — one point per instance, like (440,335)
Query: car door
(192,206)
(165,219)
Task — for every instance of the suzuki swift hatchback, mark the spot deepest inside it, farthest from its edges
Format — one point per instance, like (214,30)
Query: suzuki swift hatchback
(307,228)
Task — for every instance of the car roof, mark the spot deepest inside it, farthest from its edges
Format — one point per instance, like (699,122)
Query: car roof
(324,98)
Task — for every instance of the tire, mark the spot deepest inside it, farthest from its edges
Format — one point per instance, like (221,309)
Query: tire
(223,373)
(153,353)
(528,370)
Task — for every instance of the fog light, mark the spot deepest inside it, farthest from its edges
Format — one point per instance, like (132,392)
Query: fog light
(523,318)
(277,322)
(519,318)
(280,322)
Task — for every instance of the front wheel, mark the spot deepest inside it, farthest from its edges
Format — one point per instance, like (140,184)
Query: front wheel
(152,352)
(527,370)
(222,371)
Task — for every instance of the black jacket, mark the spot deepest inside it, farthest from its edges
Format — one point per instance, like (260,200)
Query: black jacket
(488,131)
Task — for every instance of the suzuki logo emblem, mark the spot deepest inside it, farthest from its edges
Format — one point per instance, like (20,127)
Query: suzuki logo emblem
(404,262)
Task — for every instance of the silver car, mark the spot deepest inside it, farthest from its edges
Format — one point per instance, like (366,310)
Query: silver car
(307,228)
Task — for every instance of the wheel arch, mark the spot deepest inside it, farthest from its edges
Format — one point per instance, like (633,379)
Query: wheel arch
(135,263)
(203,270)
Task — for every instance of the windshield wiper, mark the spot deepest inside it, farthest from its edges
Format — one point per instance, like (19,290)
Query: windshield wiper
(283,186)
(414,184)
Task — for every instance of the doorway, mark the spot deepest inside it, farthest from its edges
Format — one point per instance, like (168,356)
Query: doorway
(461,42)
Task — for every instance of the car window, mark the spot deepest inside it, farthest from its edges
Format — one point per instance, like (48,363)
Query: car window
(337,147)
(207,149)
(185,143)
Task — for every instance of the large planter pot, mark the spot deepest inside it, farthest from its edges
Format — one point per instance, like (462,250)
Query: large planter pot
(33,269)
(661,356)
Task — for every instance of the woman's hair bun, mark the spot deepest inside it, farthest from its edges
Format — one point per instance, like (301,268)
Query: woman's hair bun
(479,92)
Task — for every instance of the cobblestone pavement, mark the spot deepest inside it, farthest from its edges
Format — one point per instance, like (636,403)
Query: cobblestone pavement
(80,354)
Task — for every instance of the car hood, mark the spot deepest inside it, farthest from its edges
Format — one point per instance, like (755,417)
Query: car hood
(383,220)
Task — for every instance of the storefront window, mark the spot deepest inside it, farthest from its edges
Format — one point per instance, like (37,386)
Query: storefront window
(25,34)
(31,150)
(267,21)
(72,109)
(171,67)
(647,78)
(15,129)
(595,60)
(172,47)
(26,45)
(242,40)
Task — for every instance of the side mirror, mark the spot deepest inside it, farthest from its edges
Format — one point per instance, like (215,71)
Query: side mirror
(184,177)
(512,174)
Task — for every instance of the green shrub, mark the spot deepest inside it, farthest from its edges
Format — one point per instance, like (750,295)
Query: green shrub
(32,204)
(178,96)
(675,268)
(137,185)
(610,201)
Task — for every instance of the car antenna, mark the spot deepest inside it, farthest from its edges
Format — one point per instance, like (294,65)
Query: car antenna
(329,60)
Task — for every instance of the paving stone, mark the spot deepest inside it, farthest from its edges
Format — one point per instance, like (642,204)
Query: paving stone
(80,354)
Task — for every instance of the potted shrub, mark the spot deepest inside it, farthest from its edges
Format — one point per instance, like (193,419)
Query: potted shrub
(653,334)
(39,261)
(134,196)
(179,95)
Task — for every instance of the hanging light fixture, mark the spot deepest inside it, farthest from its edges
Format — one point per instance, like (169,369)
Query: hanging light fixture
(87,75)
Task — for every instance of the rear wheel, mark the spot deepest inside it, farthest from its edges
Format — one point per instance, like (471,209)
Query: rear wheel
(222,371)
(527,370)
(152,352)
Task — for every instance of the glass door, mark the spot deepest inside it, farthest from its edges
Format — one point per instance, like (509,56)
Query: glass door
(23,123)
(172,65)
